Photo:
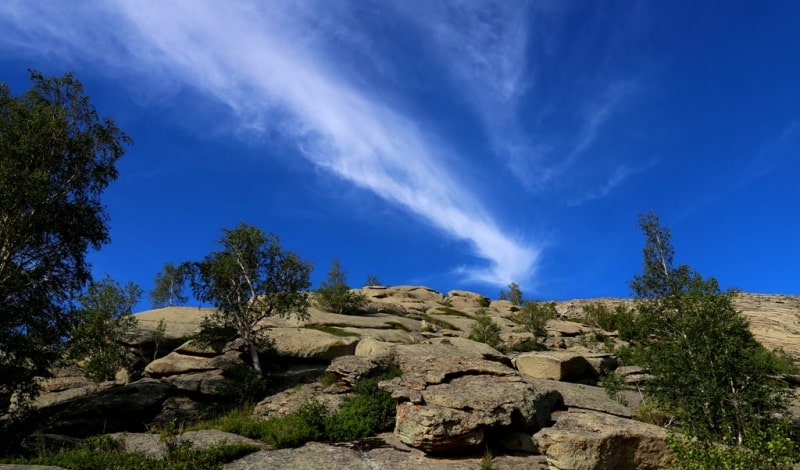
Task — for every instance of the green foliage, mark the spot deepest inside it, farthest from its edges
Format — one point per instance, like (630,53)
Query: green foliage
(57,156)
(334,295)
(488,460)
(159,336)
(774,448)
(614,384)
(369,411)
(373,281)
(102,321)
(513,294)
(250,279)
(170,283)
(106,452)
(485,302)
(692,338)
(245,386)
(533,317)
(619,319)
(485,330)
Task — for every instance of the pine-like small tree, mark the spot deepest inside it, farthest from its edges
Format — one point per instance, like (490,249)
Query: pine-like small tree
(334,295)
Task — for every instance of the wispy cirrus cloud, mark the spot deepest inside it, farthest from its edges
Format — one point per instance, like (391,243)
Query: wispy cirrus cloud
(505,56)
(258,59)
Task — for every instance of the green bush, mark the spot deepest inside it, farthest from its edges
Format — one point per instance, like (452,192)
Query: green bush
(600,316)
(485,330)
(334,295)
(106,452)
(775,448)
(369,411)
(533,317)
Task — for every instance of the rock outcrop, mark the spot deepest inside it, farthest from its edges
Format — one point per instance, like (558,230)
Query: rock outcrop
(455,396)
(588,440)
(450,398)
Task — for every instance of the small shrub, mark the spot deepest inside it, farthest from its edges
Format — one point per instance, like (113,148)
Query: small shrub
(534,316)
(485,302)
(614,384)
(776,448)
(107,452)
(654,412)
(334,295)
(485,330)
(488,460)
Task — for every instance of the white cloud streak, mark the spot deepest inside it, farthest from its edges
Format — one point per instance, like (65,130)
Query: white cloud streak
(254,59)
(487,49)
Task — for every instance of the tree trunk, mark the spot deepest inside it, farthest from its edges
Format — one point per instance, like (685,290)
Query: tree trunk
(256,361)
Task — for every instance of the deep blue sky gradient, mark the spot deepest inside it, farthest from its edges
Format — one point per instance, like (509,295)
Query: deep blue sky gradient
(556,123)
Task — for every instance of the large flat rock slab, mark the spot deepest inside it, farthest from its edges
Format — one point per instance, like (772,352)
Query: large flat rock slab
(316,455)
(588,440)
(555,365)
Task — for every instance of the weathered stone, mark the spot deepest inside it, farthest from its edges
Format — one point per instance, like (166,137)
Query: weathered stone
(589,440)
(519,442)
(291,400)
(580,396)
(176,363)
(209,382)
(307,343)
(351,369)
(633,375)
(378,456)
(181,409)
(565,328)
(601,362)
(122,408)
(374,349)
(461,299)
(556,365)
(450,397)
(437,428)
(152,445)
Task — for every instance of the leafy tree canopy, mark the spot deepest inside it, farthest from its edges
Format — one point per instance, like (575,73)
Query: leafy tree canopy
(693,339)
(513,294)
(104,318)
(170,283)
(57,156)
(249,279)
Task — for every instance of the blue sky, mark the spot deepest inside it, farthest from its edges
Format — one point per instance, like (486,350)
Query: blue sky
(458,145)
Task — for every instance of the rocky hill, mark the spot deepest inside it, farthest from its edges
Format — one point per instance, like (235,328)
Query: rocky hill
(544,408)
